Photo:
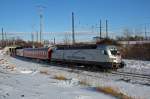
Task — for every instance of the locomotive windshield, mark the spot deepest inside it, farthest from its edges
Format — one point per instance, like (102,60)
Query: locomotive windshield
(114,51)
(110,48)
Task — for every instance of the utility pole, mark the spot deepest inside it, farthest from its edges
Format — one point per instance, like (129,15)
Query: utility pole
(5,39)
(92,27)
(106,29)
(2,38)
(2,34)
(41,30)
(54,41)
(145,32)
(73,38)
(5,36)
(37,36)
(100,31)
(32,37)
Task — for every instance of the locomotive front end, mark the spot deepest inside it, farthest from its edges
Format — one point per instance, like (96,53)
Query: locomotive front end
(115,57)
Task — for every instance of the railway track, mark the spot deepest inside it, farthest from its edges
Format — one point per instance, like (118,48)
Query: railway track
(134,78)
(132,74)
(97,74)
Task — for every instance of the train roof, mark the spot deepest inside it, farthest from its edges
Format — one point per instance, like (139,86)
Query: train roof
(36,48)
(79,46)
(76,46)
(83,46)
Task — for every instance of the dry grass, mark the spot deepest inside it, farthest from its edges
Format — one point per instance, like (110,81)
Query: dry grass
(1,59)
(11,67)
(84,82)
(113,92)
(109,91)
(60,77)
(45,71)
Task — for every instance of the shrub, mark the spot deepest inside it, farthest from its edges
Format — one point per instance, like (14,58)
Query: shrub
(137,51)
(113,92)
(84,82)
(60,77)
(44,71)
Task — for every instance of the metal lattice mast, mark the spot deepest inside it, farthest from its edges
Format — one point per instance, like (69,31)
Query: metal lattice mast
(40,7)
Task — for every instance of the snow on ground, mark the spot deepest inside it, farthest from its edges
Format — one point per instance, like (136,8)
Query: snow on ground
(39,86)
(138,66)
(21,79)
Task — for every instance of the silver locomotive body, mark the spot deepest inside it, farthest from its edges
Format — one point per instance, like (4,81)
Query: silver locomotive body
(106,56)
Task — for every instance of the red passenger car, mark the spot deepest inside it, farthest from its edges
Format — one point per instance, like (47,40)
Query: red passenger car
(39,53)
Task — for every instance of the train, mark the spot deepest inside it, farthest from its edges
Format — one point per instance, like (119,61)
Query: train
(90,56)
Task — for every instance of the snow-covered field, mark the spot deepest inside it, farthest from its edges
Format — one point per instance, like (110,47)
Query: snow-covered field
(138,66)
(21,79)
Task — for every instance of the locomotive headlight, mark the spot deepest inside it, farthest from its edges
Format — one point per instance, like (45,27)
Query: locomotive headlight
(112,59)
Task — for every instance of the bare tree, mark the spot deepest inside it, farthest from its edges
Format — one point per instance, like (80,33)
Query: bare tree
(66,39)
(127,33)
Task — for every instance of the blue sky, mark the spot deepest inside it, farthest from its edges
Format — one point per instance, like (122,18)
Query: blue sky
(22,16)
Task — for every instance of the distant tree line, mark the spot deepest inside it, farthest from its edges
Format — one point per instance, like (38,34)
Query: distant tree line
(130,38)
(137,51)
(19,42)
(134,51)
(129,35)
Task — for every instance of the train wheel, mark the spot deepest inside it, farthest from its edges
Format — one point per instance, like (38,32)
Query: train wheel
(71,66)
(95,68)
(38,60)
(88,68)
(114,66)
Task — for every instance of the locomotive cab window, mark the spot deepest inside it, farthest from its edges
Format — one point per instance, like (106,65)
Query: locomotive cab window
(104,52)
